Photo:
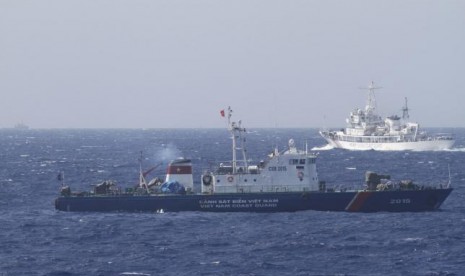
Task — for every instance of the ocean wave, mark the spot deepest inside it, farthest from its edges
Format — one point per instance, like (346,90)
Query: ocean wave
(461,149)
(38,240)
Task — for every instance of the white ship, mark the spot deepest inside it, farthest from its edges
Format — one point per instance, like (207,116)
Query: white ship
(366,130)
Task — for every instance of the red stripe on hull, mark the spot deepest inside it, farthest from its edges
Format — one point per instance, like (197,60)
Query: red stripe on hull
(179,170)
(357,202)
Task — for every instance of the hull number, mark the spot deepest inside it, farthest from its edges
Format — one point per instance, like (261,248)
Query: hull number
(277,169)
(400,201)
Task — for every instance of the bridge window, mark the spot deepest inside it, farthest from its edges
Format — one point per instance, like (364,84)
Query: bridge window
(293,161)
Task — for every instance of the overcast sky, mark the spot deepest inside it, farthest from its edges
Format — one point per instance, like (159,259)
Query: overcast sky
(177,63)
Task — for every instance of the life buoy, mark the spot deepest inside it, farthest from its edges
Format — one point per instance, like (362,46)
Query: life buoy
(230,178)
(207,179)
(300,175)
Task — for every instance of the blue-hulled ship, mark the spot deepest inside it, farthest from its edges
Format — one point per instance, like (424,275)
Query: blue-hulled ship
(286,181)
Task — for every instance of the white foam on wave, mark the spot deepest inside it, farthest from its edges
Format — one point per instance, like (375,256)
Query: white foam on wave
(213,263)
(325,147)
(413,239)
(454,150)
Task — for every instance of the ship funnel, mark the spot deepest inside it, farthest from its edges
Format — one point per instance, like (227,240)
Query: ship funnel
(180,170)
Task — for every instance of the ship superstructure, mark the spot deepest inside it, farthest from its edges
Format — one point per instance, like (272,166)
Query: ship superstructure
(366,130)
(292,170)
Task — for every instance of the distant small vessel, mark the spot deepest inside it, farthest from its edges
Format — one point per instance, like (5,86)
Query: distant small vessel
(366,130)
(285,181)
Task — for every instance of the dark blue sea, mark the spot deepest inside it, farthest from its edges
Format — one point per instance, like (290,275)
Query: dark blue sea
(35,239)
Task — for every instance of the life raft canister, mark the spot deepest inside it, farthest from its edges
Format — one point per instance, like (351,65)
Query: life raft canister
(207,179)
(230,178)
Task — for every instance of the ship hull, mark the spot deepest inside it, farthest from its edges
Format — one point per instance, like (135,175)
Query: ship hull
(350,201)
(426,145)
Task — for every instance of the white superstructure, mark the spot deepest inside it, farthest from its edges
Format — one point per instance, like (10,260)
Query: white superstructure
(287,171)
(366,130)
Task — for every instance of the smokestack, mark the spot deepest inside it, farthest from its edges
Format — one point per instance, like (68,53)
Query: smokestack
(180,170)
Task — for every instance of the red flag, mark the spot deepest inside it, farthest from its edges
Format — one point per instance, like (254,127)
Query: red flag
(222,113)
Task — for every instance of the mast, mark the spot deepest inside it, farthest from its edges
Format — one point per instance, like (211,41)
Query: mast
(448,183)
(61,178)
(405,109)
(142,182)
(238,138)
(371,101)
